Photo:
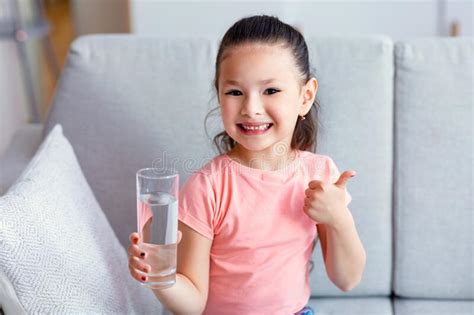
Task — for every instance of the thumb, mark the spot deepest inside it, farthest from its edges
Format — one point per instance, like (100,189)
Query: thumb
(344,178)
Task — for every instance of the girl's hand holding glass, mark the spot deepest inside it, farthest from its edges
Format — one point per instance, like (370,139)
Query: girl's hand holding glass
(325,203)
(137,261)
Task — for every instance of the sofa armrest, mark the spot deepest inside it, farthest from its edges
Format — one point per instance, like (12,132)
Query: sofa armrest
(19,152)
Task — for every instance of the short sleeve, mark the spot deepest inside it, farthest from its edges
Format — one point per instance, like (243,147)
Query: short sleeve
(334,175)
(197,206)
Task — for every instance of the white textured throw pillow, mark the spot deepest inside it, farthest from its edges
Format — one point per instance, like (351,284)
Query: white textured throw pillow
(57,248)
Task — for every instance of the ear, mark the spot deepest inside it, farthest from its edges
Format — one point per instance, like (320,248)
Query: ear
(309,91)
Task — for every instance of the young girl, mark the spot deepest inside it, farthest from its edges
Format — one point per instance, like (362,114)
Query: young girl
(248,219)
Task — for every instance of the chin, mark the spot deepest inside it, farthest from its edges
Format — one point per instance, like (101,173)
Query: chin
(253,147)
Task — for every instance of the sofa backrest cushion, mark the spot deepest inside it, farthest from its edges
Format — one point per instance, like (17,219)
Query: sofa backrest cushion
(433,189)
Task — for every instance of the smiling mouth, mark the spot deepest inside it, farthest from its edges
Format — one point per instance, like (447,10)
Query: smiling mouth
(255,129)
(261,127)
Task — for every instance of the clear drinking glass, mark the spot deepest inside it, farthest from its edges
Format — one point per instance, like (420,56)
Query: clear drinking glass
(157,223)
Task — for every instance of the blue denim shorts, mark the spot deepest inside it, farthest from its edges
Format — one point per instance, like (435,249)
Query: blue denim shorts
(307,310)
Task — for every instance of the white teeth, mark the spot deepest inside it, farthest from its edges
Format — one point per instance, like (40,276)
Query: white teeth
(261,127)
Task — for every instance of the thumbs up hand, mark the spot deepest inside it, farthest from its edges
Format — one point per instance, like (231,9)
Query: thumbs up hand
(325,202)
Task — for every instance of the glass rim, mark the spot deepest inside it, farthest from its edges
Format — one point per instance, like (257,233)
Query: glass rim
(157,176)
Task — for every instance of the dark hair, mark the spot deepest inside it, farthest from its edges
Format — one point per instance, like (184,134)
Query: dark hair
(264,29)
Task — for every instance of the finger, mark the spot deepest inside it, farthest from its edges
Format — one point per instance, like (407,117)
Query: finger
(306,210)
(315,184)
(345,176)
(134,250)
(134,238)
(138,264)
(136,275)
(306,207)
(308,192)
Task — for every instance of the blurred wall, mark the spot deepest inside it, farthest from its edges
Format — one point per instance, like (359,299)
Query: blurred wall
(13,103)
(399,19)
(104,16)
(88,17)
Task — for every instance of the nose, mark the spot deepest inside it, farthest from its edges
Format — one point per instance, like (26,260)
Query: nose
(252,106)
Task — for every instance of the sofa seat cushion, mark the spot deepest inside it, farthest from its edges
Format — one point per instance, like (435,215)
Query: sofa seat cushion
(351,306)
(426,306)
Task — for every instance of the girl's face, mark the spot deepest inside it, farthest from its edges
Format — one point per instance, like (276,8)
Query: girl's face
(247,96)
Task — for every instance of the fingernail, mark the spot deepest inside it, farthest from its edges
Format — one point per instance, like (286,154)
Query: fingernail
(135,240)
(142,254)
(144,278)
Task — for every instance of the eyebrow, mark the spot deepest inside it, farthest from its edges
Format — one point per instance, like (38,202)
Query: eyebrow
(261,81)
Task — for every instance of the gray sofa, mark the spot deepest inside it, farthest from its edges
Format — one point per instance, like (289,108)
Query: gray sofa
(399,113)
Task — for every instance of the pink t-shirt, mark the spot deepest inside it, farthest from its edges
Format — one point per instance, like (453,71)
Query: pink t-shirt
(262,239)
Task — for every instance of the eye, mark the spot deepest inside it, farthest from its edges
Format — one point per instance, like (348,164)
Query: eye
(273,91)
(232,92)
